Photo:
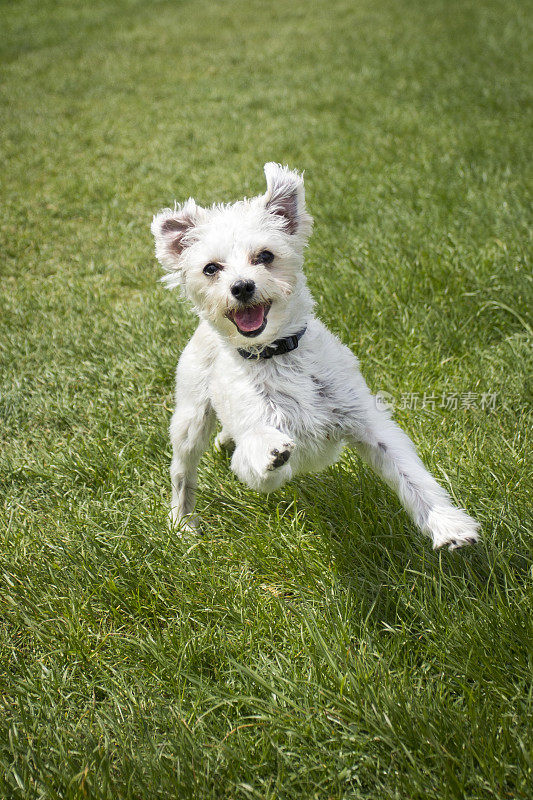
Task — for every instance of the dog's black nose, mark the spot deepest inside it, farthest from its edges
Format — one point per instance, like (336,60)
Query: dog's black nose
(243,290)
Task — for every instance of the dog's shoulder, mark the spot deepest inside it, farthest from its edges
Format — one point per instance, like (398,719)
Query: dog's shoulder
(201,350)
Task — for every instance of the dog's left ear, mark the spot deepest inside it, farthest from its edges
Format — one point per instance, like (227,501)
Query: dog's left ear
(285,197)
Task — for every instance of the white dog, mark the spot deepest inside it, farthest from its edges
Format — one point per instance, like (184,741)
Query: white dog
(287,393)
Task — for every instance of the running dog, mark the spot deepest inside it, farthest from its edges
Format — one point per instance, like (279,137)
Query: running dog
(287,393)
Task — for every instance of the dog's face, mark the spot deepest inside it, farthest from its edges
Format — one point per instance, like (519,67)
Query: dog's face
(239,264)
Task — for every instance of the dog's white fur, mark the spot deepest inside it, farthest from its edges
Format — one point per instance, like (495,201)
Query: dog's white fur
(306,404)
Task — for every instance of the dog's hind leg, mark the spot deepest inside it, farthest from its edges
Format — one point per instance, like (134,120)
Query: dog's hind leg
(392,454)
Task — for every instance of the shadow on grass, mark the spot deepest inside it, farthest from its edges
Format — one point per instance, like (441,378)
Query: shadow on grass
(375,548)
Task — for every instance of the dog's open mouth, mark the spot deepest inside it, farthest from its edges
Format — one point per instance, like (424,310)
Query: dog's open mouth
(250,320)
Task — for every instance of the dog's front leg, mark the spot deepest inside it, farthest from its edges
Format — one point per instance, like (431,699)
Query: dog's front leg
(392,455)
(190,429)
(262,458)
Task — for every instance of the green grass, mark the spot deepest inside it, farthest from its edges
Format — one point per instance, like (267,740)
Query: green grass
(310,644)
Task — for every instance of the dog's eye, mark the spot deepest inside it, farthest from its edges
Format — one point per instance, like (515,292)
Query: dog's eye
(211,268)
(264,257)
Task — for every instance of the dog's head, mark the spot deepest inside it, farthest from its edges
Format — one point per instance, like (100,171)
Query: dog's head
(240,264)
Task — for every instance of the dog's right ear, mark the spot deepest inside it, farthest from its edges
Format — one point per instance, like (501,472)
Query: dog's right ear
(171,229)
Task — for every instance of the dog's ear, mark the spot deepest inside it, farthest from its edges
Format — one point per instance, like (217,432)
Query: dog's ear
(285,197)
(171,229)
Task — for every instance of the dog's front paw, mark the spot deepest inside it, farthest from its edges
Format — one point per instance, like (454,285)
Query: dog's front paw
(280,455)
(182,524)
(453,527)
(263,460)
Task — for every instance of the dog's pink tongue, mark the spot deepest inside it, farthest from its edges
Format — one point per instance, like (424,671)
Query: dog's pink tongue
(249,319)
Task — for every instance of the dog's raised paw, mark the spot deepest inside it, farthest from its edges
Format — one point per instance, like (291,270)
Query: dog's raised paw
(280,456)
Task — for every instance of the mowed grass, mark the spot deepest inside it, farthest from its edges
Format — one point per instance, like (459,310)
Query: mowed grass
(310,644)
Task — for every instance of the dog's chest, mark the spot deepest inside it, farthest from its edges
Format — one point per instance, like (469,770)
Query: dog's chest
(292,399)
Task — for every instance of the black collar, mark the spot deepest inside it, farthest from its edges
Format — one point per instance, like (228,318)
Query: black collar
(278,348)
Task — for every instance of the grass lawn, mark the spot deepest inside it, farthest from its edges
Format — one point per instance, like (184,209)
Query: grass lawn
(310,645)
